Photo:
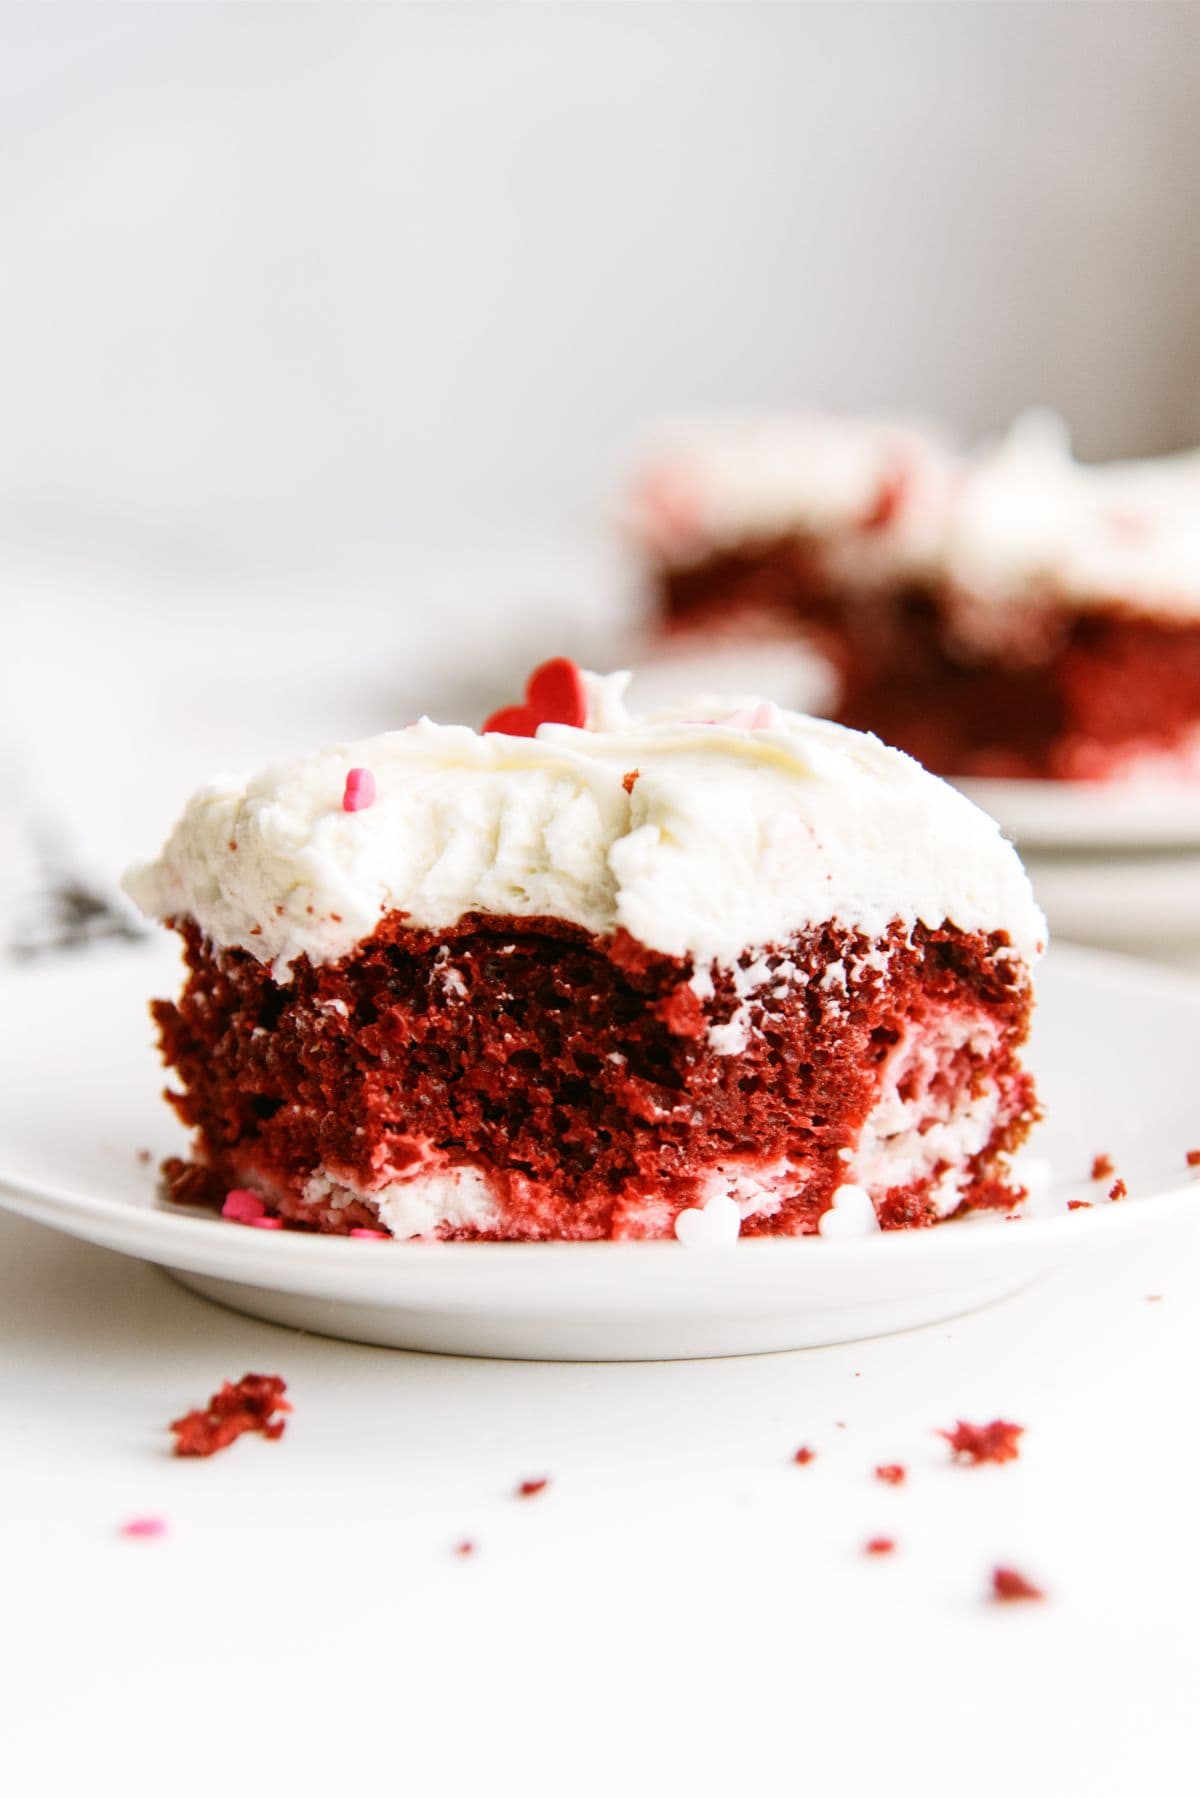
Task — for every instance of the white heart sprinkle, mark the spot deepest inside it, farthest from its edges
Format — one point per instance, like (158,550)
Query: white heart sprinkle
(714,1226)
(850,1214)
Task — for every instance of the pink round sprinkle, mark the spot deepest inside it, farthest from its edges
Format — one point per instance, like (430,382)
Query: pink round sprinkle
(144,1527)
(372,1235)
(360,790)
(266,1223)
(242,1206)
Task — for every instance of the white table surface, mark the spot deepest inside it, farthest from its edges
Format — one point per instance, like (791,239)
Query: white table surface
(683,1610)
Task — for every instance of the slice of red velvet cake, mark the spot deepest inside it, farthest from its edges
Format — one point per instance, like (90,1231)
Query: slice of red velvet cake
(1012,613)
(725,967)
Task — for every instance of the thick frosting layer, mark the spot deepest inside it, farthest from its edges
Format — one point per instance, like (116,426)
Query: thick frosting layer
(735,833)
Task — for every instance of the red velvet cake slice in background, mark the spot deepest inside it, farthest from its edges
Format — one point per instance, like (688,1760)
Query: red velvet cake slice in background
(723,966)
(1012,613)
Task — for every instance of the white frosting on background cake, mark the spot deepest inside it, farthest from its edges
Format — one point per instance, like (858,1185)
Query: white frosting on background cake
(715,483)
(731,837)
(1030,523)
(1021,523)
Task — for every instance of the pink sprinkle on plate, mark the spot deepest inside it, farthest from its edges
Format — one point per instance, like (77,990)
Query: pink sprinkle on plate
(242,1206)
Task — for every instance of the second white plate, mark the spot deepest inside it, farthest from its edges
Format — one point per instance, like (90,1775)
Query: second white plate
(1078,814)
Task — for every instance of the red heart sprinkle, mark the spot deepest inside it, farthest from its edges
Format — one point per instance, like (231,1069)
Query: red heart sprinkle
(554,694)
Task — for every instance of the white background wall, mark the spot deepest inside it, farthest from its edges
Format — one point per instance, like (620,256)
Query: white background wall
(283,281)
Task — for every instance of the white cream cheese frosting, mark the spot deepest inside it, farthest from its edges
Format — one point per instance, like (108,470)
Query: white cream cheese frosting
(1020,521)
(712,483)
(1030,523)
(735,833)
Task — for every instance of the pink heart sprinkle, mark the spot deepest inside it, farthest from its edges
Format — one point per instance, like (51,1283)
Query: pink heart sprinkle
(360,790)
(242,1206)
(266,1223)
(371,1235)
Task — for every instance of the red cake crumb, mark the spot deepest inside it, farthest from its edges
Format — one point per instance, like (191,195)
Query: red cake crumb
(1193,1158)
(191,1183)
(251,1403)
(891,1473)
(464,1548)
(144,1156)
(531,1488)
(1079,1204)
(1009,1585)
(1118,1190)
(1103,1167)
(979,1442)
(880,1545)
(628,780)
(803,1456)
(1154,1298)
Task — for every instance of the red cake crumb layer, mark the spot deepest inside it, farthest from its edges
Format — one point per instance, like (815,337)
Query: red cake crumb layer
(1082,694)
(255,1402)
(576,1073)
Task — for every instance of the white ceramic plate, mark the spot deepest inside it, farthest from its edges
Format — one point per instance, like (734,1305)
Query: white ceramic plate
(79,1097)
(1077,814)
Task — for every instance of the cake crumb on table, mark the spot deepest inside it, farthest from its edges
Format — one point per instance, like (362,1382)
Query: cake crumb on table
(979,1442)
(531,1488)
(1103,1167)
(880,1545)
(1118,1190)
(1008,1586)
(804,1455)
(1192,1157)
(891,1473)
(255,1402)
